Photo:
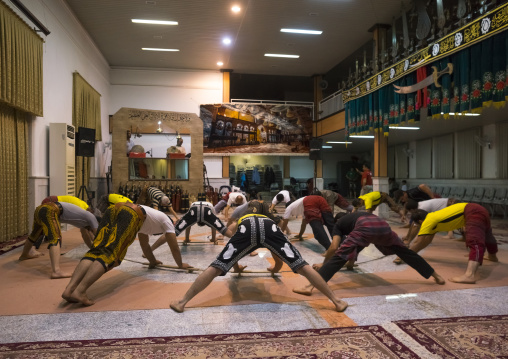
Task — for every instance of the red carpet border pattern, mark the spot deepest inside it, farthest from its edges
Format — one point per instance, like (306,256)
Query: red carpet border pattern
(464,337)
(352,343)
(13,243)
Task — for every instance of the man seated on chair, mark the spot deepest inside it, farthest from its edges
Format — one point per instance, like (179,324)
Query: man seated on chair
(117,231)
(256,231)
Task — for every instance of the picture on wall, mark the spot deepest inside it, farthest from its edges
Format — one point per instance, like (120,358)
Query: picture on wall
(269,129)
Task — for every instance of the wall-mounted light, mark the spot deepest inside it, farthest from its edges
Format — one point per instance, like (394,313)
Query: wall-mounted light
(159,130)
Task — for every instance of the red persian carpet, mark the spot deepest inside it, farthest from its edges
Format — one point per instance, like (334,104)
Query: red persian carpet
(352,343)
(464,337)
(13,243)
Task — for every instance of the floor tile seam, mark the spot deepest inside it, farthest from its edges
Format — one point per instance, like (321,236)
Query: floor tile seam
(409,342)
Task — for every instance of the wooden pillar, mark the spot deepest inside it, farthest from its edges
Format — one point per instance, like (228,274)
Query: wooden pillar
(226,85)
(226,97)
(318,96)
(287,168)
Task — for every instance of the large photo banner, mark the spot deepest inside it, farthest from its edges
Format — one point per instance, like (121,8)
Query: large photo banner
(268,129)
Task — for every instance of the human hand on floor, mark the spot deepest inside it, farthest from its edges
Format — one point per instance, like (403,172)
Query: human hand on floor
(155,264)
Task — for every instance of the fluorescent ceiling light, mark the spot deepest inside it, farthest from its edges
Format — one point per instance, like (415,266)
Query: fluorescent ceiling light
(341,142)
(282,55)
(327,146)
(235,8)
(299,31)
(462,114)
(404,128)
(220,63)
(155,49)
(154,22)
(359,136)
(226,41)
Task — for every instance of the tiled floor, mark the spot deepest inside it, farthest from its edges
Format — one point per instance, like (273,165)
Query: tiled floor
(380,310)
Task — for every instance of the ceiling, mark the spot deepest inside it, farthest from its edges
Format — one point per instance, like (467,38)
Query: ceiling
(254,31)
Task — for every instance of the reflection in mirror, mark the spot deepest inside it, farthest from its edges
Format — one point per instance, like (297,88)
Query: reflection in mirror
(158,168)
(159,145)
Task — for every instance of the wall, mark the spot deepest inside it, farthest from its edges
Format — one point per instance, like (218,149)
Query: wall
(67,49)
(164,90)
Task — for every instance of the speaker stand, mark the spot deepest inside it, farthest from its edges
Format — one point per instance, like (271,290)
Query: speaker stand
(83,190)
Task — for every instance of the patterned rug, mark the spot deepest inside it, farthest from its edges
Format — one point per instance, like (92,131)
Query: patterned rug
(351,343)
(11,244)
(463,337)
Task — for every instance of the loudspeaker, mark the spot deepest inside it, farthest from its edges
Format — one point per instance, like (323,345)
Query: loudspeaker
(315,148)
(85,142)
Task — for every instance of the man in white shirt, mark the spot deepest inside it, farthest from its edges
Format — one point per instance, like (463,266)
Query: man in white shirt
(284,197)
(235,199)
(117,231)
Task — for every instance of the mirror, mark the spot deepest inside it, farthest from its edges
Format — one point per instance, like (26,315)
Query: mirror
(158,169)
(161,156)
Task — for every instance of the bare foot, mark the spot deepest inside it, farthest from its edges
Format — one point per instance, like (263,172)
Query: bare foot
(252,254)
(300,238)
(67,296)
(307,290)
(58,275)
(83,299)
(398,261)
(351,264)
(177,307)
(317,266)
(32,254)
(341,306)
(492,258)
(272,269)
(438,279)
(463,279)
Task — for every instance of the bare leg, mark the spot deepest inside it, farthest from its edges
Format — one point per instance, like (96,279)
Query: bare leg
(29,252)
(94,272)
(201,282)
(87,237)
(467,277)
(54,257)
(317,281)
(187,235)
(76,278)
(214,234)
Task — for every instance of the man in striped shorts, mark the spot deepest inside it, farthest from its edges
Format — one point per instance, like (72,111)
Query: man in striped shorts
(363,229)
(256,231)
(117,231)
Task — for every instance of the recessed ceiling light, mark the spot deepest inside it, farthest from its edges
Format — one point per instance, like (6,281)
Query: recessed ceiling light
(156,49)
(282,55)
(300,31)
(226,41)
(154,22)
(358,136)
(235,8)
(220,63)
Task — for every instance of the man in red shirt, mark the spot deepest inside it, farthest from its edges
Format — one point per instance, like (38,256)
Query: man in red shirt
(366,180)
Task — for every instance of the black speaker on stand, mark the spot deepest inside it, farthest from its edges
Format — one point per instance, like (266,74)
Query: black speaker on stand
(85,147)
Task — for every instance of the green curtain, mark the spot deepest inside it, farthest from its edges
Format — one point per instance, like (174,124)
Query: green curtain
(479,79)
(86,112)
(20,63)
(14,169)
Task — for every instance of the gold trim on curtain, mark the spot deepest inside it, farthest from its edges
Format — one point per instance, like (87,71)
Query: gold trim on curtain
(86,112)
(20,63)
(14,169)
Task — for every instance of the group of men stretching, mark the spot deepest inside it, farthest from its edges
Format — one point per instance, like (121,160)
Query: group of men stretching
(253,225)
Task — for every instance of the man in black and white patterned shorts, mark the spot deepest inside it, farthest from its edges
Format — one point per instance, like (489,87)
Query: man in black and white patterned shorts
(256,231)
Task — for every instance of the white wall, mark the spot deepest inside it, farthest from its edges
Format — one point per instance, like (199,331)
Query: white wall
(164,90)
